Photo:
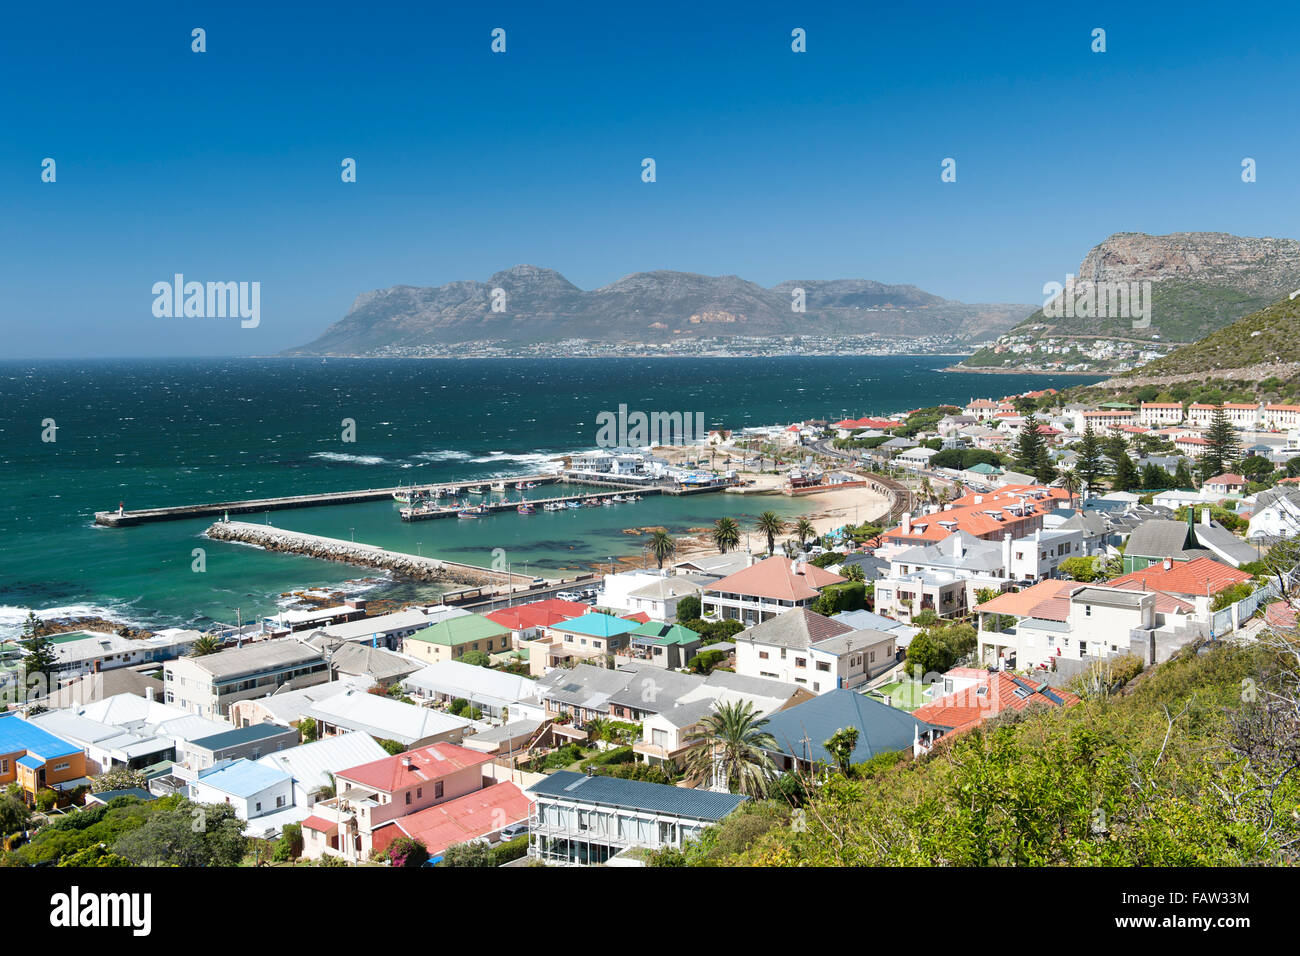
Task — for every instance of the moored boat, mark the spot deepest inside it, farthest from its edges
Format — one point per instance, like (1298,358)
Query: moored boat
(525,509)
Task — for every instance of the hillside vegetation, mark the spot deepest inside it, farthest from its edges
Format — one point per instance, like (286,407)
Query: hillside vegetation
(1195,765)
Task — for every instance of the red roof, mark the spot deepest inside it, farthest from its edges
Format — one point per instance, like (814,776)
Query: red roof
(474,815)
(1182,577)
(977,517)
(434,762)
(967,708)
(318,823)
(1227,478)
(641,617)
(1040,601)
(773,578)
(537,614)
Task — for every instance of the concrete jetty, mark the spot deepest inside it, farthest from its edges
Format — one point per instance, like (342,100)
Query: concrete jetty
(124,519)
(497,507)
(364,555)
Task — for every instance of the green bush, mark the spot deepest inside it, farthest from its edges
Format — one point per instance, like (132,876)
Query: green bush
(509,850)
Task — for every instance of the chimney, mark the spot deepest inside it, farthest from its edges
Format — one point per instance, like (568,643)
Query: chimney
(1006,552)
(1169,564)
(148,693)
(907,522)
(1205,515)
(979,499)
(956,544)
(407,762)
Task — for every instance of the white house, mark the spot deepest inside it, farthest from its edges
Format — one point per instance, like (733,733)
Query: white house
(1276,514)
(251,788)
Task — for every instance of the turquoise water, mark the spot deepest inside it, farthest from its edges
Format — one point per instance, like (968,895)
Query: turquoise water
(156,433)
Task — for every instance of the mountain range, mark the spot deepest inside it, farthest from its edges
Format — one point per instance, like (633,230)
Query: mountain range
(539,305)
(1200,282)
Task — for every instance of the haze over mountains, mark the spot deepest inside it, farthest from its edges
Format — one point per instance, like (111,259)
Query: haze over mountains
(541,305)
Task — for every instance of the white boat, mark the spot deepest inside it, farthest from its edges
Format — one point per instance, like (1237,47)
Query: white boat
(573,505)
(552,506)
(617,499)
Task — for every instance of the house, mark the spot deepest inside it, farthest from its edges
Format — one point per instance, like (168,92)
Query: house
(581,821)
(36,760)
(93,687)
(590,637)
(208,685)
(250,742)
(804,648)
(863,620)
(506,740)
(493,692)
(527,621)
(288,708)
(1281,417)
(254,790)
(802,731)
(766,589)
(1197,580)
(147,717)
(1016,509)
(1157,539)
(106,747)
(1276,514)
(980,409)
(77,653)
(480,815)
(454,637)
(664,645)
(1000,691)
(353,659)
(915,458)
(386,719)
(1193,446)
(1223,545)
(659,598)
(1102,420)
(312,766)
(1221,486)
(378,792)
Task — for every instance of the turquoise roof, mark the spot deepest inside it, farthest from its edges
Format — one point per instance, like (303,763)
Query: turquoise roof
(596,624)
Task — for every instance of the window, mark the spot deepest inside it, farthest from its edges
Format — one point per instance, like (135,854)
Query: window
(762,655)
(62,766)
(437,790)
(419,792)
(801,662)
(823,666)
(408,798)
(1087,610)
(257,807)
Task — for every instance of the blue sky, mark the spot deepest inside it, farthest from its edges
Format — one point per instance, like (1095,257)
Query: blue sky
(771,165)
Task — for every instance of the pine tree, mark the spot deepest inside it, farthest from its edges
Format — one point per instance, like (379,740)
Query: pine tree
(1223,449)
(40,651)
(1183,475)
(1032,455)
(1091,465)
(1124,472)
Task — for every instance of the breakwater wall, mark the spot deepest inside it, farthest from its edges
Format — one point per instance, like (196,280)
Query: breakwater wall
(410,566)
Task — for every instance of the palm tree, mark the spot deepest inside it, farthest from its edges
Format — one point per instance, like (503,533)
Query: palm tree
(770,524)
(205,645)
(726,534)
(662,546)
(804,530)
(1071,482)
(734,745)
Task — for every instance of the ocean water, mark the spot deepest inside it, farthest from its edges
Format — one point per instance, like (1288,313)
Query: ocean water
(156,433)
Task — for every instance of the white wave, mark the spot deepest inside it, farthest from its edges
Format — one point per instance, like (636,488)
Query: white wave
(528,457)
(353,459)
(13,617)
(443,454)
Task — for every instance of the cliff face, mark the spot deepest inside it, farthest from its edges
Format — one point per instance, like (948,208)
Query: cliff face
(540,305)
(1265,266)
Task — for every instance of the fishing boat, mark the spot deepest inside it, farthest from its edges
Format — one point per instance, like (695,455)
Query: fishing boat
(477,511)
(474,490)
(617,499)
(520,486)
(552,506)
(525,509)
(607,502)
(530,484)
(572,505)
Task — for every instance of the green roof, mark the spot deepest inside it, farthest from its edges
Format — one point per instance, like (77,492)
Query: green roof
(1119,405)
(667,633)
(459,630)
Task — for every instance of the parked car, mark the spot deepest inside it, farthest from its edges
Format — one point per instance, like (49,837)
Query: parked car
(514,830)
(570,595)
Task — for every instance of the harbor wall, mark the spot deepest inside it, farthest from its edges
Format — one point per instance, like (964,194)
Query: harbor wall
(410,566)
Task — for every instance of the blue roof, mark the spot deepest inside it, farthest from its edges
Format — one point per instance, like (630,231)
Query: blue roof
(243,778)
(598,625)
(30,762)
(241,735)
(881,728)
(18,735)
(638,795)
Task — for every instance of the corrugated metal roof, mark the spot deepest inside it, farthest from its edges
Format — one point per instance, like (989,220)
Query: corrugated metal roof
(638,795)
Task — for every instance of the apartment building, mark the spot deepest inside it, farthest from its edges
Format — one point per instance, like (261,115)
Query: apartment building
(1160,413)
(766,589)
(208,685)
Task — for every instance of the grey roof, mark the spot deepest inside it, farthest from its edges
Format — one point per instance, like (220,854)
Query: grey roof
(976,553)
(582,685)
(1089,523)
(688,714)
(1157,538)
(361,659)
(881,728)
(1110,597)
(241,735)
(654,689)
(254,658)
(516,728)
(796,629)
(1219,539)
(676,586)
(638,795)
(873,568)
(854,641)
